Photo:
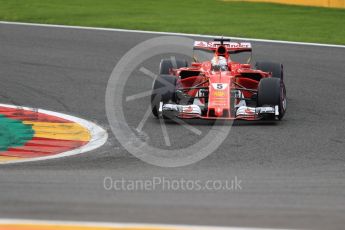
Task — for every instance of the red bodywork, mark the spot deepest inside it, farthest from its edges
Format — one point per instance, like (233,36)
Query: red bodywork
(220,100)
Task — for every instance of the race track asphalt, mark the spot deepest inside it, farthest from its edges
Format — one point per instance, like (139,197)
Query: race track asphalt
(292,173)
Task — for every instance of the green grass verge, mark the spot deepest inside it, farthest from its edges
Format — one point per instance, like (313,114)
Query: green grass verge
(241,19)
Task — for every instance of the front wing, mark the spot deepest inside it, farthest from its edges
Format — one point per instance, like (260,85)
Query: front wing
(194,111)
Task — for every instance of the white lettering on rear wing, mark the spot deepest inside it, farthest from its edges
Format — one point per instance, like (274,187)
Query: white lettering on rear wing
(231,45)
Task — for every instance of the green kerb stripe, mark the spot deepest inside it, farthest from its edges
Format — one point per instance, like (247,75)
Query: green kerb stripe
(13,133)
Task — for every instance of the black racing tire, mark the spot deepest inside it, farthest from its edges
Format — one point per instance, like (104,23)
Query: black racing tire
(277,69)
(271,92)
(164,89)
(167,64)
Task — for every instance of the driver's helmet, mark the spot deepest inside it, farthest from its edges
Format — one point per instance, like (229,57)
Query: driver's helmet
(219,63)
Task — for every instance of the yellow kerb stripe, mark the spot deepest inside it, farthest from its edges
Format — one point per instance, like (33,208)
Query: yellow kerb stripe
(66,227)
(6,159)
(60,131)
(322,3)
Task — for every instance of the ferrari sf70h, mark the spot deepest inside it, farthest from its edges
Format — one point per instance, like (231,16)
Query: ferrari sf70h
(217,85)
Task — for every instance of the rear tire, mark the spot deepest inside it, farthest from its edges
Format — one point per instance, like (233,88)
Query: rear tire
(276,69)
(271,92)
(167,64)
(163,90)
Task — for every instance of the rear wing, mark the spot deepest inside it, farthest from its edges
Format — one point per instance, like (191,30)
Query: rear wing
(230,46)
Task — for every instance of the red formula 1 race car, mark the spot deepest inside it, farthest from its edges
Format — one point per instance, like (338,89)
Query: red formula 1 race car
(217,85)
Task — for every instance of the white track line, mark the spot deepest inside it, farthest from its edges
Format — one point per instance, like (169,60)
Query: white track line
(125,225)
(98,135)
(169,33)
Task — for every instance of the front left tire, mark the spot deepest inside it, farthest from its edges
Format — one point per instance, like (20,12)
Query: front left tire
(271,92)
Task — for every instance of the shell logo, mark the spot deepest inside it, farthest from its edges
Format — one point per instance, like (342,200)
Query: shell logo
(219,93)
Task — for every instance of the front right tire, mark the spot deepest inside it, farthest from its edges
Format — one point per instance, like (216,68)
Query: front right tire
(163,90)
